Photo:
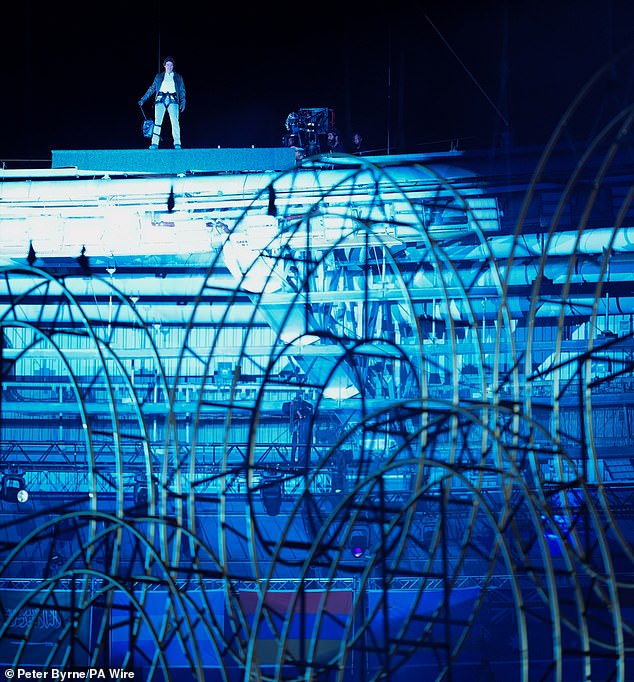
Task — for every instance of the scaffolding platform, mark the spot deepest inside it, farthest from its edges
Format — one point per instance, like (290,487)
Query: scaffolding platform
(175,161)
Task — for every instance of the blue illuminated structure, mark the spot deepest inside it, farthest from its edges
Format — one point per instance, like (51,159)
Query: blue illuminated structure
(459,340)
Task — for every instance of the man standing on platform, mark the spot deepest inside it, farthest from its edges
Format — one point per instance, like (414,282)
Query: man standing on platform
(169,90)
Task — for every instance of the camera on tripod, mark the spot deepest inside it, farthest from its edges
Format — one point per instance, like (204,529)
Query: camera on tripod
(307,129)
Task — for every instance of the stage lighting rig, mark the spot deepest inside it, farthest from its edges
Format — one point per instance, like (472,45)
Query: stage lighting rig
(359,541)
(272,492)
(14,489)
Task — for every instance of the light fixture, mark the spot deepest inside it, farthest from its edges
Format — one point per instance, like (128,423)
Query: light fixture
(141,495)
(14,489)
(338,479)
(31,256)
(83,262)
(359,541)
(142,490)
(271,492)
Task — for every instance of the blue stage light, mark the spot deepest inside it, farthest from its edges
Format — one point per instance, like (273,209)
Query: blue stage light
(359,541)
(14,489)
(271,493)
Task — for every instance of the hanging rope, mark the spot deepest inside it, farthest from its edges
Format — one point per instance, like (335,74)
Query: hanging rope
(491,102)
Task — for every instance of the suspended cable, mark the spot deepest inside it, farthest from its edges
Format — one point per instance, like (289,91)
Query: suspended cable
(453,52)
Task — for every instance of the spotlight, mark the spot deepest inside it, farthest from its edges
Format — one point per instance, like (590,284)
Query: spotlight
(141,495)
(271,493)
(272,210)
(31,256)
(14,489)
(338,480)
(83,262)
(359,541)
(142,490)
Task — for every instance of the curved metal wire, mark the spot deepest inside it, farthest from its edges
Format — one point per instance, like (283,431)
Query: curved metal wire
(389,401)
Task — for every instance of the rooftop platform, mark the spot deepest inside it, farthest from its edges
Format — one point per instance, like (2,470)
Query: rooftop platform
(175,161)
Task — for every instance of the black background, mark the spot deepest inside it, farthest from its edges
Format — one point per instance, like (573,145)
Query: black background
(411,76)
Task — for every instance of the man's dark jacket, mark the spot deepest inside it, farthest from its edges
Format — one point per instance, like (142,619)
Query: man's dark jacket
(156,86)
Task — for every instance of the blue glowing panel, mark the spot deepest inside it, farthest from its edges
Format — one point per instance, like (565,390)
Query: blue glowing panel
(421,628)
(142,637)
(287,627)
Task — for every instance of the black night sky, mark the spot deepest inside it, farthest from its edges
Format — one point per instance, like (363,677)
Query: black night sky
(411,76)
